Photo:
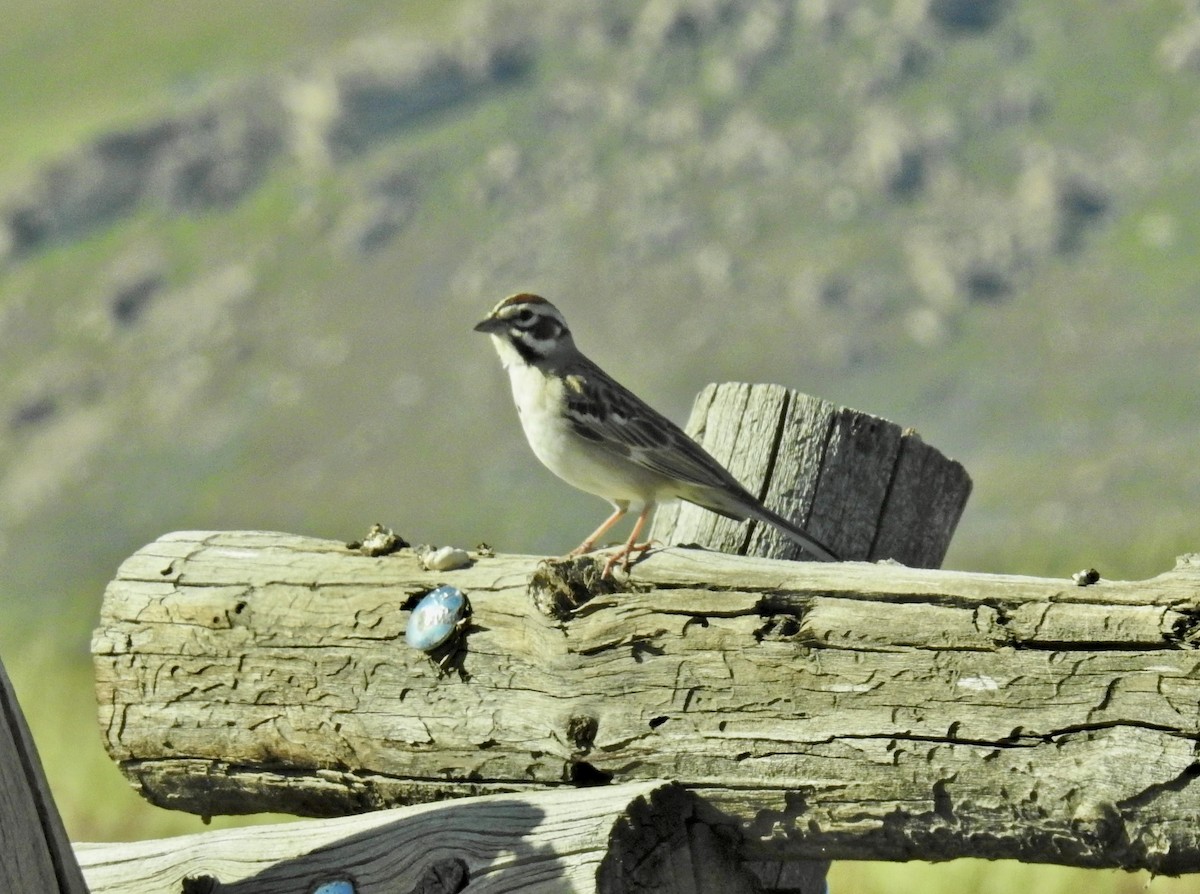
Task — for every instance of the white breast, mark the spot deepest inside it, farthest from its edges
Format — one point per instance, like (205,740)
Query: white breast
(578,461)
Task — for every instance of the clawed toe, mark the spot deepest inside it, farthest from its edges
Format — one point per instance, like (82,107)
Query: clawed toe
(629,552)
(626,556)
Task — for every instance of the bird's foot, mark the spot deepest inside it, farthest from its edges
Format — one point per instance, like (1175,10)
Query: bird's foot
(626,556)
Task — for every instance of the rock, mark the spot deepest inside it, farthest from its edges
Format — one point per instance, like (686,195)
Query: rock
(967,16)
(197,159)
(499,174)
(383,84)
(215,154)
(890,157)
(84,188)
(387,206)
(131,298)
(133,282)
(33,412)
(1180,49)
(53,390)
(1057,202)
(222,151)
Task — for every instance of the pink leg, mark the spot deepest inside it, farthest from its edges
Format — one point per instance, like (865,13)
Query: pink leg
(586,546)
(626,552)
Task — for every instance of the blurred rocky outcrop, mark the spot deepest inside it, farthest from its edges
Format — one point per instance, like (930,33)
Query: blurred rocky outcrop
(650,133)
(197,159)
(216,153)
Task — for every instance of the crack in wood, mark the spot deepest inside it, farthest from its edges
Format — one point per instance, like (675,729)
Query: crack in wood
(1151,793)
(1186,629)
(905,678)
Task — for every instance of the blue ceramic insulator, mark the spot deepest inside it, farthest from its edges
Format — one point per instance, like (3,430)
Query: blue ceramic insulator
(439,615)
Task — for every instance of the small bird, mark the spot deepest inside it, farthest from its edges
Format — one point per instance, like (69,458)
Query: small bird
(598,436)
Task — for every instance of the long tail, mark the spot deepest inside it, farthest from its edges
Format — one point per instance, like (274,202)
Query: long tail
(811,545)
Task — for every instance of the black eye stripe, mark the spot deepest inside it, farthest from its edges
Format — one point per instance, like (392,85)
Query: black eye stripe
(528,354)
(545,328)
(539,326)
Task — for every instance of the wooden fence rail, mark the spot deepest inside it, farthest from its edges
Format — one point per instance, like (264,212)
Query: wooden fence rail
(710,723)
(855,710)
(642,837)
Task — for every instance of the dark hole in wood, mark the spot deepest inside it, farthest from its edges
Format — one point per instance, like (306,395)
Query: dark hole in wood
(641,648)
(200,884)
(446,876)
(581,731)
(585,775)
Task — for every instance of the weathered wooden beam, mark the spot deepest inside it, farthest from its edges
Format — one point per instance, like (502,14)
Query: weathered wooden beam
(34,852)
(622,839)
(835,711)
(863,486)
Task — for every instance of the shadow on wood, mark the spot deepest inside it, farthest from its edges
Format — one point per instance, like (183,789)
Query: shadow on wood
(645,837)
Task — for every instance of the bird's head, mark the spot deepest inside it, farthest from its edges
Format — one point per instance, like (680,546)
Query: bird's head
(527,328)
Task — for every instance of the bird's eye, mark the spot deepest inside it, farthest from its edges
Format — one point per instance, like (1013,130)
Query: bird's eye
(525,315)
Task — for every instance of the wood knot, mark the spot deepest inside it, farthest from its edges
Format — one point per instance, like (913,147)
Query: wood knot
(581,732)
(1099,823)
(446,876)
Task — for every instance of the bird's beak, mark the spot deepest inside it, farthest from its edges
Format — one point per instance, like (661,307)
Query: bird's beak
(489,325)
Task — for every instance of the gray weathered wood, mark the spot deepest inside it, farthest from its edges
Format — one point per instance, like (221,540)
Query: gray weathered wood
(628,839)
(776,442)
(34,852)
(860,484)
(835,711)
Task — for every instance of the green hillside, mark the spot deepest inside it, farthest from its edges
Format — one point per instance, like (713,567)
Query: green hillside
(242,249)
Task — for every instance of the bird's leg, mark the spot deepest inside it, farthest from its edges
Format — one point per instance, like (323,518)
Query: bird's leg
(586,546)
(625,554)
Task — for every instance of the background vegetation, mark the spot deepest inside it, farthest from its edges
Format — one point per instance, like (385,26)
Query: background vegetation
(242,247)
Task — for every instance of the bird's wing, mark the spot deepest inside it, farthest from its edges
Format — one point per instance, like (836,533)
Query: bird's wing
(607,413)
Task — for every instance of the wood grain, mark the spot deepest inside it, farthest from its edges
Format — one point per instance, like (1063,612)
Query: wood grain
(860,484)
(617,839)
(34,853)
(851,710)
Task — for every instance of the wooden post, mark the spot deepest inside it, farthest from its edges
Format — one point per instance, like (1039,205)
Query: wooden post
(861,485)
(830,710)
(34,852)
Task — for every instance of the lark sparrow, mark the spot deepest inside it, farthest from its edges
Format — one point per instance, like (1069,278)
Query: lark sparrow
(598,436)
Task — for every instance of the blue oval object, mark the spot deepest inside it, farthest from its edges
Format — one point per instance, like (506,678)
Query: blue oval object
(438,617)
(338,886)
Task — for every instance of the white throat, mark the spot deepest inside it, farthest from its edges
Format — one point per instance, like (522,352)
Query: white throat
(508,354)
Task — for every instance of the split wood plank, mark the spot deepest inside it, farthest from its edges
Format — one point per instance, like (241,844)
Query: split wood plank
(34,852)
(626,839)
